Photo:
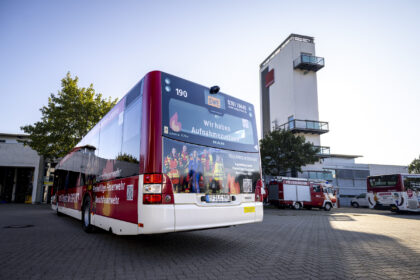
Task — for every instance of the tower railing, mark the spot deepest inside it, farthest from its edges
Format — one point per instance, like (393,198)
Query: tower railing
(324,151)
(308,126)
(309,62)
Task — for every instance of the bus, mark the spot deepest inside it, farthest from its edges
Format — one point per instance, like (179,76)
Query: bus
(170,156)
(409,199)
(395,192)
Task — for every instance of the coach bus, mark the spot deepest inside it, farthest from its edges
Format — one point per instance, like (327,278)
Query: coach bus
(170,156)
(395,191)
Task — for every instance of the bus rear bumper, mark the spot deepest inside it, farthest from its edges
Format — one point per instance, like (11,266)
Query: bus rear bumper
(192,217)
(186,217)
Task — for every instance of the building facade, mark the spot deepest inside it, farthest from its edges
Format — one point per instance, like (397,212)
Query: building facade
(21,171)
(289,101)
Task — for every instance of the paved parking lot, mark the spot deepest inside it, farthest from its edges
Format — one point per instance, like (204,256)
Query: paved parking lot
(306,244)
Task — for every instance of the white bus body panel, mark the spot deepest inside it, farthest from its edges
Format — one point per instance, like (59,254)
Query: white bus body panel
(117,226)
(382,198)
(385,198)
(159,218)
(405,203)
(155,218)
(70,212)
(371,200)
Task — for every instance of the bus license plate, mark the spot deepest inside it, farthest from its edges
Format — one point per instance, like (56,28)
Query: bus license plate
(217,198)
(249,209)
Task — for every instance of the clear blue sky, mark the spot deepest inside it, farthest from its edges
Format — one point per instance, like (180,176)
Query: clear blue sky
(369,90)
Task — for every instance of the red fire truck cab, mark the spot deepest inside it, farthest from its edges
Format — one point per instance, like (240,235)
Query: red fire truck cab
(301,193)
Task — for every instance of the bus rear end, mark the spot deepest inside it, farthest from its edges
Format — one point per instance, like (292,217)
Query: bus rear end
(209,173)
(409,199)
(381,190)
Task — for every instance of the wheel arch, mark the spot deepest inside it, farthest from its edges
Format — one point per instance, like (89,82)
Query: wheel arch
(86,195)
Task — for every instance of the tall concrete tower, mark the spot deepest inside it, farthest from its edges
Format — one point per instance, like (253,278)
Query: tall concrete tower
(288,95)
(289,100)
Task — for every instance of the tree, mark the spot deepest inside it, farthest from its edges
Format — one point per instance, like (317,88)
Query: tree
(414,166)
(282,151)
(68,116)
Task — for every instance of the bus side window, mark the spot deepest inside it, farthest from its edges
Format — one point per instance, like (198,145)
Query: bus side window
(61,179)
(82,179)
(66,180)
(131,131)
(73,179)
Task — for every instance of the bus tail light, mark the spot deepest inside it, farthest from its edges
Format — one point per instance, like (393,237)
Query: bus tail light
(258,193)
(152,198)
(157,189)
(152,179)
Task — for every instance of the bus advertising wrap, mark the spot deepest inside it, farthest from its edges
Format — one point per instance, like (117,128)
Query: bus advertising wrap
(198,169)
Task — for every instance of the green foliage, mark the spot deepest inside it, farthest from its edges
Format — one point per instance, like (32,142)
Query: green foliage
(282,151)
(414,166)
(127,158)
(68,116)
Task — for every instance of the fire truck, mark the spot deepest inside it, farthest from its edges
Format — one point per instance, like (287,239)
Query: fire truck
(301,193)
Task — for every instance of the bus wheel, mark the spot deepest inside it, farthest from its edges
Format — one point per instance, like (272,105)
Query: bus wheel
(87,226)
(297,206)
(327,207)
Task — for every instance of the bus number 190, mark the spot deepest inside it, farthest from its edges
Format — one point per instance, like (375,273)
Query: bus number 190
(181,92)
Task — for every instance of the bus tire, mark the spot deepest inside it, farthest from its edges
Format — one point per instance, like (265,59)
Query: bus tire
(327,207)
(297,206)
(86,225)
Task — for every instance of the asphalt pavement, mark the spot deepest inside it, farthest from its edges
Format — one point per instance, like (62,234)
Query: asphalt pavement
(306,244)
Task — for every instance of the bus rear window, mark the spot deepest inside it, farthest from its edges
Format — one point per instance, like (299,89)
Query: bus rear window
(383,181)
(412,182)
(191,114)
(204,123)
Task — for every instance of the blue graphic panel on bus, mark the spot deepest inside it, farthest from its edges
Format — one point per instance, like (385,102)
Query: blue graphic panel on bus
(192,114)
(199,169)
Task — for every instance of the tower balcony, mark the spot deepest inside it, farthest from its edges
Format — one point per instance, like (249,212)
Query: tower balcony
(308,62)
(324,151)
(304,126)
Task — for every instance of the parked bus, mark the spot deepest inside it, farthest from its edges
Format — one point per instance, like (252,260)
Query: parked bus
(171,156)
(393,191)
(409,198)
(301,193)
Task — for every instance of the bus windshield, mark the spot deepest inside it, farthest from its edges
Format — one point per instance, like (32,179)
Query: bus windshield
(191,114)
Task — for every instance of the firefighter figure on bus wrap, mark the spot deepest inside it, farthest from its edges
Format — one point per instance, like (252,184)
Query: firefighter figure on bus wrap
(171,167)
(184,160)
(217,183)
(207,163)
(195,170)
